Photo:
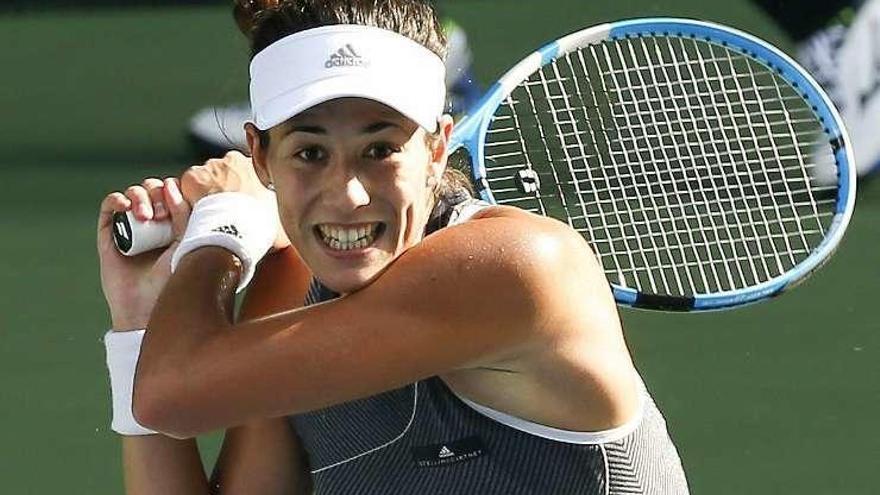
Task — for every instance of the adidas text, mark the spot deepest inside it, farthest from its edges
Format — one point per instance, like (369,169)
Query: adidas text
(345,57)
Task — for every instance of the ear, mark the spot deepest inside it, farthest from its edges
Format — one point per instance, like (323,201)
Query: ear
(440,148)
(258,153)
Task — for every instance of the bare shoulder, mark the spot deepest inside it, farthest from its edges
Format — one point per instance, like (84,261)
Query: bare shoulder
(546,232)
(554,261)
(581,364)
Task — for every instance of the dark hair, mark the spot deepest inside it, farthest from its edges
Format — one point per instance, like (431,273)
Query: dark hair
(266,21)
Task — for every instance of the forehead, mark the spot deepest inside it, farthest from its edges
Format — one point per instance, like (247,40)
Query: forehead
(348,110)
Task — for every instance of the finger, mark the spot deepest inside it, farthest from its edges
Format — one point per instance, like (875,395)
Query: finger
(235,155)
(178,208)
(154,188)
(141,206)
(193,183)
(111,204)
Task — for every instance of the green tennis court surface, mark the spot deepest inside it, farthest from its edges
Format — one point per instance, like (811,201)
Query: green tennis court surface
(777,398)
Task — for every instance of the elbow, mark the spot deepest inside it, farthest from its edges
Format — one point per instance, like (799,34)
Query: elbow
(157,405)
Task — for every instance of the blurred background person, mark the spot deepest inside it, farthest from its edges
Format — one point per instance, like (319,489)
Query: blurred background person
(838,42)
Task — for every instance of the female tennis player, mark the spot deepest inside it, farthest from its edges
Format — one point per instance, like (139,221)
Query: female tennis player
(446,346)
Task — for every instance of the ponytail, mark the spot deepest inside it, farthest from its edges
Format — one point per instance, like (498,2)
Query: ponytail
(246,12)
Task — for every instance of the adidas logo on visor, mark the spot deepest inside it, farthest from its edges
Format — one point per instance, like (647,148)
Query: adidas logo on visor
(346,57)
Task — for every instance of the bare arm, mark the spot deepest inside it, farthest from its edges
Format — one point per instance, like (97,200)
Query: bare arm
(420,318)
(153,464)
(265,456)
(156,464)
(262,457)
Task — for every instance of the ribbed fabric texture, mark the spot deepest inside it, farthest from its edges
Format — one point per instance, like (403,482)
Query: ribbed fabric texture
(421,439)
(646,461)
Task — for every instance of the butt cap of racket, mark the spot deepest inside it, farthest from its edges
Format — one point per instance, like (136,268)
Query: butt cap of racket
(133,237)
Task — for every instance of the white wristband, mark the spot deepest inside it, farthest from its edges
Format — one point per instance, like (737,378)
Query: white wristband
(123,350)
(236,221)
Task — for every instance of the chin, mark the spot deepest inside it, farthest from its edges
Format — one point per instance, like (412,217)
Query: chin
(346,283)
(347,274)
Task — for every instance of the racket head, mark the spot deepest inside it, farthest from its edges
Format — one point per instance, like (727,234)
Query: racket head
(635,285)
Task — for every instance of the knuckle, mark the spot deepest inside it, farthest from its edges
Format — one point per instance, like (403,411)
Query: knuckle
(189,175)
(134,191)
(151,183)
(109,200)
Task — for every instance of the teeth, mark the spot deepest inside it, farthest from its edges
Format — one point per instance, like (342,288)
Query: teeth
(343,238)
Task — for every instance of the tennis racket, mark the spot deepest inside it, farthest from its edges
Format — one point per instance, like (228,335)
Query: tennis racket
(685,152)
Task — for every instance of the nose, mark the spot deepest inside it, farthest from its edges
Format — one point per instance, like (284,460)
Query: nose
(345,190)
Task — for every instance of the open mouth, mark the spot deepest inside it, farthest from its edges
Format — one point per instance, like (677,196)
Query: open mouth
(349,237)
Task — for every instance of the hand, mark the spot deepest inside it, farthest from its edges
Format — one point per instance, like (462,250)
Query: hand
(132,284)
(233,173)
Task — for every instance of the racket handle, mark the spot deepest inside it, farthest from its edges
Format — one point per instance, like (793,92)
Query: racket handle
(133,237)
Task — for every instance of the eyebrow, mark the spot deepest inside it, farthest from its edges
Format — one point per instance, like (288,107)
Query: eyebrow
(310,129)
(314,129)
(378,126)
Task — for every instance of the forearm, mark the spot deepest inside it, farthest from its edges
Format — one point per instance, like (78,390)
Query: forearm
(196,309)
(179,327)
(209,374)
(196,304)
(152,464)
(156,464)
(262,457)
(265,456)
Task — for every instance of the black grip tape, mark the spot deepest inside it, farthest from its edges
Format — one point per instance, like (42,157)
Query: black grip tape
(664,303)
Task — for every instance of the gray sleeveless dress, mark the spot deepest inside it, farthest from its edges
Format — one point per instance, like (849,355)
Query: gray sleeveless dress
(424,439)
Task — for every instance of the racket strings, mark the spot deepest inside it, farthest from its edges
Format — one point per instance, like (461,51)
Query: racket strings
(686,164)
(622,257)
(680,238)
(738,184)
(774,137)
(727,175)
(642,146)
(655,257)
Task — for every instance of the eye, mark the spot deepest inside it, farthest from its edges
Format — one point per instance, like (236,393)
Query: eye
(381,151)
(311,154)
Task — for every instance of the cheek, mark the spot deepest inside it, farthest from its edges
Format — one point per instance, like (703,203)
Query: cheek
(413,203)
(409,192)
(412,177)
(291,204)
(288,214)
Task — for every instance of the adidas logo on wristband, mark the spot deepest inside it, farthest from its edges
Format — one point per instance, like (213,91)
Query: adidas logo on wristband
(238,222)
(228,229)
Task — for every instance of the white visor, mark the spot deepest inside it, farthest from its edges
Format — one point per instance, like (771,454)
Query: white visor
(310,67)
